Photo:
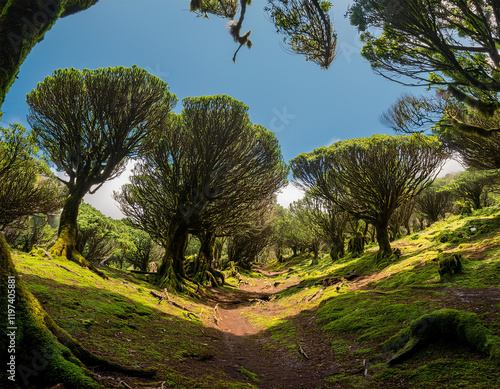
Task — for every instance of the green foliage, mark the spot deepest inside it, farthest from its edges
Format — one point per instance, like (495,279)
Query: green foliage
(100,146)
(370,178)
(473,186)
(28,187)
(306,28)
(187,181)
(356,244)
(436,43)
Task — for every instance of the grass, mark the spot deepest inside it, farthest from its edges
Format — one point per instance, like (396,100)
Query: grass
(119,318)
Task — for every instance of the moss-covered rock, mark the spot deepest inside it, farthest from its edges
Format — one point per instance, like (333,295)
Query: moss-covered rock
(448,324)
(450,264)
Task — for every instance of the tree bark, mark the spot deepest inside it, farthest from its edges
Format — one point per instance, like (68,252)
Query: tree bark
(337,250)
(206,257)
(39,356)
(383,241)
(172,269)
(65,245)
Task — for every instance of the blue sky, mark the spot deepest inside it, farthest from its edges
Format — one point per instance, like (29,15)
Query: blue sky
(307,107)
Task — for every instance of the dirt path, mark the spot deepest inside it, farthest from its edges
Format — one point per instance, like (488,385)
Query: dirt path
(245,348)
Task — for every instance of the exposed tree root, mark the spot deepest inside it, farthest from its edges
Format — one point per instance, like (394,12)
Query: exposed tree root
(450,324)
(66,250)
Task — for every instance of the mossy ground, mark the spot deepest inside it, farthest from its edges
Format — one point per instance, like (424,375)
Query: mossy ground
(119,318)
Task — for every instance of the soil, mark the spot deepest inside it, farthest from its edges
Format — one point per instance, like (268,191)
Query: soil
(244,345)
(237,348)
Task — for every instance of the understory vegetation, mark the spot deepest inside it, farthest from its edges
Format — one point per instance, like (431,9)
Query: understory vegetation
(363,310)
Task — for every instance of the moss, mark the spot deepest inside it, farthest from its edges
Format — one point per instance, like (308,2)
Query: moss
(253,376)
(450,265)
(449,324)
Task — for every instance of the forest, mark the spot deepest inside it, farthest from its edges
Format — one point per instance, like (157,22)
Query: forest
(385,274)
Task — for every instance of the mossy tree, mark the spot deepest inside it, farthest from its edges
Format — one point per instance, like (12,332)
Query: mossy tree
(89,123)
(331,221)
(475,185)
(371,177)
(22,25)
(434,202)
(448,44)
(309,232)
(244,249)
(208,171)
(44,352)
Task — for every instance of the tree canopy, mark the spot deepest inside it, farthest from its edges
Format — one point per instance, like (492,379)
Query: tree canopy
(371,177)
(89,123)
(208,171)
(450,44)
(27,185)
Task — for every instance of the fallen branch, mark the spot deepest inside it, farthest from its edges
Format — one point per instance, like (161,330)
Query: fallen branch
(303,352)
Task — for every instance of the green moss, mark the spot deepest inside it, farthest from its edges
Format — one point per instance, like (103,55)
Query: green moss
(450,265)
(366,315)
(253,376)
(445,324)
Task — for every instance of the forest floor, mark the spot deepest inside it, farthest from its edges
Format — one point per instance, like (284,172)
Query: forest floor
(289,325)
(247,349)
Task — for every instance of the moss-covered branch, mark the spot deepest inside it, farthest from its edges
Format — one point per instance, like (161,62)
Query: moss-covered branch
(23,23)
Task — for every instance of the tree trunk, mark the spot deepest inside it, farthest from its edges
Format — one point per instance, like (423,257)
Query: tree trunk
(356,244)
(279,254)
(207,255)
(384,243)
(45,354)
(315,247)
(65,245)
(337,249)
(172,269)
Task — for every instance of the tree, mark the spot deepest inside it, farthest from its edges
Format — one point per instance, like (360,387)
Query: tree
(96,239)
(331,221)
(208,171)
(285,231)
(143,249)
(27,186)
(433,202)
(474,150)
(401,218)
(306,27)
(450,44)
(53,353)
(244,249)
(474,186)
(370,178)
(308,231)
(89,123)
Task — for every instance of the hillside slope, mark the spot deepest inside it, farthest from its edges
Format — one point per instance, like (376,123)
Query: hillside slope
(295,325)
